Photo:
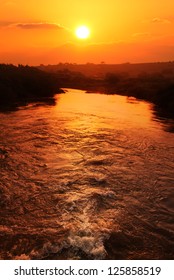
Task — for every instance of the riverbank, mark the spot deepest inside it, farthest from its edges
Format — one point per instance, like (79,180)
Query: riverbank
(153,82)
(157,88)
(23,84)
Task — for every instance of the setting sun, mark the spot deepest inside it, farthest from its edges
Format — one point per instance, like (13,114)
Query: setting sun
(82,32)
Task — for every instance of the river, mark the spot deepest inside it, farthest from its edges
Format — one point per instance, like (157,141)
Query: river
(90,177)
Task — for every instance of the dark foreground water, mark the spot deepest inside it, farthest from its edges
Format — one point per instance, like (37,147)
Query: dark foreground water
(89,178)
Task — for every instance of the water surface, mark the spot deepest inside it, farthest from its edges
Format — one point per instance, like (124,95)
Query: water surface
(89,178)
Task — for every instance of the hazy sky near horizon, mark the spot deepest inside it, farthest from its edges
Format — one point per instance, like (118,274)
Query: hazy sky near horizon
(42,31)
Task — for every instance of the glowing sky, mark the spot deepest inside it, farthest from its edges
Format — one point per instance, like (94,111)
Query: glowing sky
(42,31)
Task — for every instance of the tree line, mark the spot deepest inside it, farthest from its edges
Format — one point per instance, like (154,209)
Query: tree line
(21,84)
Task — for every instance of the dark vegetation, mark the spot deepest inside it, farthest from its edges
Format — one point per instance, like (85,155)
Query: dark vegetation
(157,88)
(153,82)
(23,84)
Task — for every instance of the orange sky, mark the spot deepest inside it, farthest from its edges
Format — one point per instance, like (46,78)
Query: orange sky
(42,31)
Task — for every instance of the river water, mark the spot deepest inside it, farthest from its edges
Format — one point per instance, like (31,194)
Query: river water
(90,177)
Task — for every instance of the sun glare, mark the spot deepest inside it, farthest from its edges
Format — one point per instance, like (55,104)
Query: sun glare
(82,32)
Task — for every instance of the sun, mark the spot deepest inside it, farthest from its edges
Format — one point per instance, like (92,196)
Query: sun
(82,32)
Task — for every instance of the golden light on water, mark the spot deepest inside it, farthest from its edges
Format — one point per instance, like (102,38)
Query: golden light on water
(105,107)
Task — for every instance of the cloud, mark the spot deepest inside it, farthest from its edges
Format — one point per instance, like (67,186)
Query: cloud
(4,23)
(38,25)
(160,20)
(141,34)
(33,25)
